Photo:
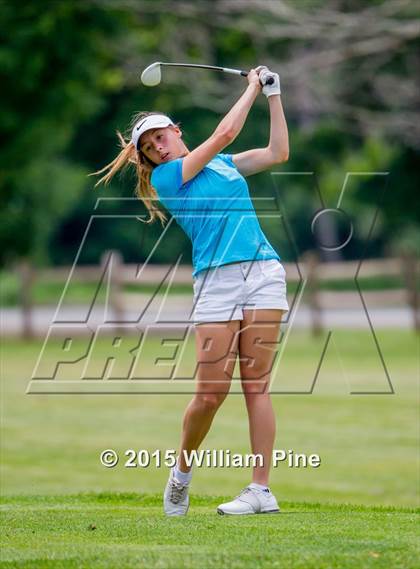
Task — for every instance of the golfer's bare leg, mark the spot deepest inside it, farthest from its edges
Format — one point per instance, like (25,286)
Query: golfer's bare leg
(257,347)
(216,345)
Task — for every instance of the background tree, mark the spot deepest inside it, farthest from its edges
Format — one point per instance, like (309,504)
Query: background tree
(58,70)
(349,90)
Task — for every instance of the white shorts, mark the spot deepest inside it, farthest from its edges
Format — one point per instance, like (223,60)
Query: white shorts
(221,293)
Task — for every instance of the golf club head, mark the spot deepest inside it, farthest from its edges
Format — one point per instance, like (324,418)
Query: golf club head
(152,75)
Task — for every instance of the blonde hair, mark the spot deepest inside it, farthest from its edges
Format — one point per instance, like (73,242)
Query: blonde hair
(144,167)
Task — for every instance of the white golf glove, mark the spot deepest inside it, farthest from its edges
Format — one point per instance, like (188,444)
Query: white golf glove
(274,88)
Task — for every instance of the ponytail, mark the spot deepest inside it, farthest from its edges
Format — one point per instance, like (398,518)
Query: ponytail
(144,189)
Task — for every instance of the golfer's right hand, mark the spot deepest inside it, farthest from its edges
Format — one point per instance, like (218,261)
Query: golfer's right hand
(253,79)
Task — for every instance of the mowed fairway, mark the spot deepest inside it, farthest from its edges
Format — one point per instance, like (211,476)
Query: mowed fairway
(129,530)
(62,508)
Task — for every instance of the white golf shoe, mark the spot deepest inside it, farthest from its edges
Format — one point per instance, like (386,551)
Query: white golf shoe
(175,498)
(251,501)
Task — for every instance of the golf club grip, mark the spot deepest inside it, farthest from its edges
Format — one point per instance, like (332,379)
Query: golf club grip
(270,78)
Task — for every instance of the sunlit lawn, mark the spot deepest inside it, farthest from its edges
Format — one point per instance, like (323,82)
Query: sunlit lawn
(367,444)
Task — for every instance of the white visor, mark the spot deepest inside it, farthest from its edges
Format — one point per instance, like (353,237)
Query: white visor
(147,123)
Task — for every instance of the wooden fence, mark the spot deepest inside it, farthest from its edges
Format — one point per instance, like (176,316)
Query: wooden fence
(309,267)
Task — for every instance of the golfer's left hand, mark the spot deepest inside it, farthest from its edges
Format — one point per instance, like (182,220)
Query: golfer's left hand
(274,88)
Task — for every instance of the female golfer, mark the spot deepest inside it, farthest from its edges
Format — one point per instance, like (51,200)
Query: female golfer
(239,282)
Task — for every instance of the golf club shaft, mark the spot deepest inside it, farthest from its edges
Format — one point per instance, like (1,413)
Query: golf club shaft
(215,68)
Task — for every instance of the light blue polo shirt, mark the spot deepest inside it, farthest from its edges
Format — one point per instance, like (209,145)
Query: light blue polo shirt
(215,211)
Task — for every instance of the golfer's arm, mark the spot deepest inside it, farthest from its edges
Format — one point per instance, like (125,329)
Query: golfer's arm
(277,151)
(233,122)
(227,130)
(278,145)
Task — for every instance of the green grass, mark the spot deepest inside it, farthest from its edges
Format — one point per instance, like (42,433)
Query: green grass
(129,530)
(49,293)
(368,445)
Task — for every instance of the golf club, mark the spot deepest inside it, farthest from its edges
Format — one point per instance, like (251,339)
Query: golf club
(152,75)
